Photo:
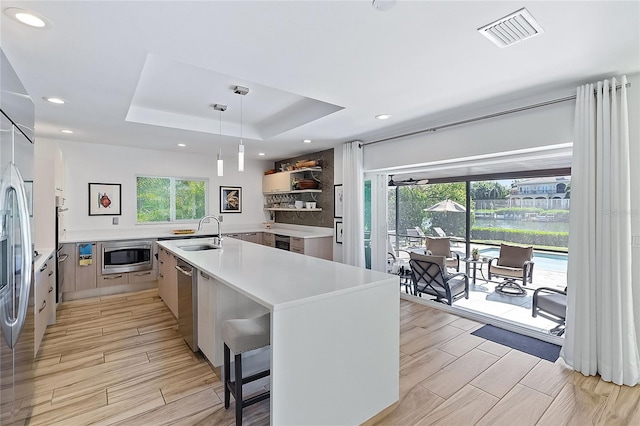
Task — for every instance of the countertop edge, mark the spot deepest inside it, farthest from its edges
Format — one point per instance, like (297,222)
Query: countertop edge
(137,234)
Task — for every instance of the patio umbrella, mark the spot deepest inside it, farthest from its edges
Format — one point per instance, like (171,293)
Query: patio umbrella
(446,206)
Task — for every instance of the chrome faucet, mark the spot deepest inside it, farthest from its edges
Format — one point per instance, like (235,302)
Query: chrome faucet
(210,216)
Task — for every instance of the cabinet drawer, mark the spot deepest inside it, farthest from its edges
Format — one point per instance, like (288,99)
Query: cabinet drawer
(42,314)
(297,243)
(296,250)
(142,276)
(113,279)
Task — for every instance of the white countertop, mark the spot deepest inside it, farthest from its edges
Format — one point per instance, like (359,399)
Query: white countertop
(276,279)
(208,230)
(43,255)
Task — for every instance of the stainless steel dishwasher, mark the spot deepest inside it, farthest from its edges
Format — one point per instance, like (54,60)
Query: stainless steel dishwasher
(187,303)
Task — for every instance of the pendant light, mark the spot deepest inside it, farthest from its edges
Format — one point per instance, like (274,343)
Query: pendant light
(220,108)
(239,90)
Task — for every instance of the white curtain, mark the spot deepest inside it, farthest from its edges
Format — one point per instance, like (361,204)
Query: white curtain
(353,205)
(379,235)
(603,323)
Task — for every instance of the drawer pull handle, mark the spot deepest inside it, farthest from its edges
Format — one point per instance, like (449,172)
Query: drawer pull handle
(43,267)
(44,305)
(50,273)
(63,258)
(113,278)
(142,274)
(203,275)
(50,289)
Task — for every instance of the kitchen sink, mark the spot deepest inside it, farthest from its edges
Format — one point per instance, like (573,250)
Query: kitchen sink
(199,247)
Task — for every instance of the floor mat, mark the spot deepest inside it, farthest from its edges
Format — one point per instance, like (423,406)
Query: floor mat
(526,344)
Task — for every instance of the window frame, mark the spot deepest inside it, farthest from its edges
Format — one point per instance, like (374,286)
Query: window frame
(172,197)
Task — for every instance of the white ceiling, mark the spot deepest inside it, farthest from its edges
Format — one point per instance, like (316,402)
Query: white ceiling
(146,73)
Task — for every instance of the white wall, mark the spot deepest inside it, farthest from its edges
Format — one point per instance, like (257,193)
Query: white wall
(86,162)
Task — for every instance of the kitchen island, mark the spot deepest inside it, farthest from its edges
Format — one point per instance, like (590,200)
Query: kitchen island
(334,328)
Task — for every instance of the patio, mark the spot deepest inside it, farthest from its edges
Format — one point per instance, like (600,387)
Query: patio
(517,309)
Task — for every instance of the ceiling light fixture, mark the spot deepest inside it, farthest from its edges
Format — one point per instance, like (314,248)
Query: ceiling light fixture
(52,100)
(26,17)
(383,116)
(220,108)
(261,154)
(181,145)
(67,131)
(307,141)
(242,91)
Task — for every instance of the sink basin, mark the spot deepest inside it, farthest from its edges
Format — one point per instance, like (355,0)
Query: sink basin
(199,247)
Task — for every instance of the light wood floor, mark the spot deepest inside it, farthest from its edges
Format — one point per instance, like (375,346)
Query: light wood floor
(120,360)
(450,377)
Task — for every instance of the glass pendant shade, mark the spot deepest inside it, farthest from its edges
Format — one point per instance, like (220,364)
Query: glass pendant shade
(241,157)
(220,164)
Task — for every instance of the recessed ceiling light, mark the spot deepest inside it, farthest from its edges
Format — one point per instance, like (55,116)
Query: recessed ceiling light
(383,5)
(54,100)
(383,116)
(67,131)
(261,154)
(307,141)
(181,145)
(26,17)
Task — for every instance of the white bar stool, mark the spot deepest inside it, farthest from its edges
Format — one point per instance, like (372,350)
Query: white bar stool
(240,336)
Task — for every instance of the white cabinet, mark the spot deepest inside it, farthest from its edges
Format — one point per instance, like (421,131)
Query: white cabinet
(206,316)
(168,280)
(45,299)
(217,303)
(277,182)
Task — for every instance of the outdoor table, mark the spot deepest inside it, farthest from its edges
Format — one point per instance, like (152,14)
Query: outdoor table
(472,262)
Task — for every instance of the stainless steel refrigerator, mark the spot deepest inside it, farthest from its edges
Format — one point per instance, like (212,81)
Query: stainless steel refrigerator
(16,248)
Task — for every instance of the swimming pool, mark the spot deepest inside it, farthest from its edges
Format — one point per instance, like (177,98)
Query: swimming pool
(550,261)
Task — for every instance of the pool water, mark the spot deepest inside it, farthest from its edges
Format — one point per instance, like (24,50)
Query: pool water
(549,261)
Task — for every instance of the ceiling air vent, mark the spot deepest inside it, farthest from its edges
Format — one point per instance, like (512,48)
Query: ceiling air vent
(512,29)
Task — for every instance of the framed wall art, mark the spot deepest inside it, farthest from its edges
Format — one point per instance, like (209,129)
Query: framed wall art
(105,199)
(339,232)
(230,199)
(338,203)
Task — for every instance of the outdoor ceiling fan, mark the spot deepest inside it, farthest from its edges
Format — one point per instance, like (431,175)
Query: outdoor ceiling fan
(407,182)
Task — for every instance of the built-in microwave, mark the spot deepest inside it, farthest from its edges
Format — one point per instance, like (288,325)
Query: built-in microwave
(127,256)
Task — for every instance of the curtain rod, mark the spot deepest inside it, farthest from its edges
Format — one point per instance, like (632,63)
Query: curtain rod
(483,117)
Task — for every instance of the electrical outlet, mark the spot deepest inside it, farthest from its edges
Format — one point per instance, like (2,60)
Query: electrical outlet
(115,220)
(220,218)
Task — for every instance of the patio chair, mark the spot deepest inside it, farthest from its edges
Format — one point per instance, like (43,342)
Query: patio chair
(430,276)
(439,232)
(441,246)
(514,263)
(415,235)
(551,304)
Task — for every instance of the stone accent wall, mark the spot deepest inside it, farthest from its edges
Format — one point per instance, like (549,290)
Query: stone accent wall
(324,199)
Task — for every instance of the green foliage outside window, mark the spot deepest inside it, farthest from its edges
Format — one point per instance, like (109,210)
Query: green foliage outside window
(162,199)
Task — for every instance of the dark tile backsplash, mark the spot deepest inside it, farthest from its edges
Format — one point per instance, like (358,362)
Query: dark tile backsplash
(324,199)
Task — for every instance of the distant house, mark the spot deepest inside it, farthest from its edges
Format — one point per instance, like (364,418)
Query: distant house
(543,192)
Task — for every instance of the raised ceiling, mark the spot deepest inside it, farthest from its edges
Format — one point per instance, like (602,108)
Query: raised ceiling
(146,73)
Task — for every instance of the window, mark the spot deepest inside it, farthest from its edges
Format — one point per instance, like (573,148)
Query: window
(166,199)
